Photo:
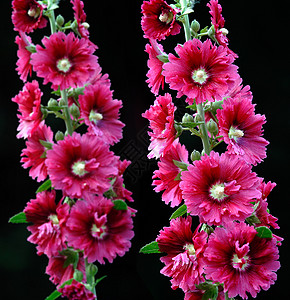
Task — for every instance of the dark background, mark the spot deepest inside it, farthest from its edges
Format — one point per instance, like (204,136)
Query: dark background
(258,33)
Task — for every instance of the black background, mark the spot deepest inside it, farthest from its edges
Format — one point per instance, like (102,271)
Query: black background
(258,33)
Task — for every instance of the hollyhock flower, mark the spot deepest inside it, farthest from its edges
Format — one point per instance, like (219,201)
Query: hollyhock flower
(242,130)
(98,229)
(168,172)
(29,104)
(155,65)
(76,291)
(34,154)
(66,61)
(23,63)
(219,189)
(60,274)
(202,71)
(48,220)
(242,261)
(158,20)
(101,113)
(184,259)
(238,90)
(79,165)
(161,119)
(27,15)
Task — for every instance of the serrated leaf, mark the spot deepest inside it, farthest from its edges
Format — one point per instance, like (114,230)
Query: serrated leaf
(45,186)
(120,204)
(264,232)
(150,248)
(179,212)
(18,218)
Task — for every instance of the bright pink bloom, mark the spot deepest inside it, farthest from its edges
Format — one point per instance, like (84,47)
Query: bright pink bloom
(155,65)
(48,220)
(29,104)
(76,291)
(219,189)
(168,172)
(158,20)
(161,119)
(35,153)
(79,165)
(241,260)
(201,72)
(98,229)
(184,259)
(101,113)
(66,61)
(23,63)
(242,129)
(27,15)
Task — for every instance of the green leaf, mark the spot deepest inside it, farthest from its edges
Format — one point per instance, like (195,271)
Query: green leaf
(45,186)
(179,212)
(120,204)
(54,295)
(46,144)
(100,279)
(180,164)
(18,218)
(163,58)
(150,248)
(264,232)
(211,293)
(72,257)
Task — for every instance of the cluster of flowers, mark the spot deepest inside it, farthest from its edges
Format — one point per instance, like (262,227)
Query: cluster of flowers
(232,251)
(80,215)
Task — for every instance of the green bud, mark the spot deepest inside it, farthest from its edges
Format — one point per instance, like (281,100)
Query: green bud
(78,275)
(195,26)
(195,155)
(187,118)
(211,32)
(198,118)
(59,136)
(179,129)
(62,102)
(74,110)
(52,103)
(212,127)
(59,20)
(44,112)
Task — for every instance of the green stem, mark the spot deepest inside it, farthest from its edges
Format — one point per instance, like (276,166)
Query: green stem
(51,17)
(68,121)
(200,111)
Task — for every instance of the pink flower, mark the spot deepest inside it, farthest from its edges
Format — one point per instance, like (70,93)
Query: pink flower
(242,130)
(161,118)
(201,72)
(23,63)
(155,77)
(29,104)
(66,61)
(168,173)
(101,113)
(158,20)
(219,189)
(79,165)
(48,220)
(184,259)
(76,291)
(242,261)
(98,229)
(27,15)
(35,153)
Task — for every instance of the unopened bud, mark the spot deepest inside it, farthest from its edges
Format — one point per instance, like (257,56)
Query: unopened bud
(178,129)
(211,32)
(195,26)
(197,118)
(44,112)
(61,102)
(59,136)
(212,127)
(74,110)
(59,20)
(52,103)
(187,118)
(195,155)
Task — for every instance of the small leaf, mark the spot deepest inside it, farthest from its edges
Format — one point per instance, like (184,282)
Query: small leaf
(150,248)
(54,295)
(46,144)
(99,279)
(179,212)
(45,186)
(120,204)
(18,218)
(163,58)
(180,164)
(264,232)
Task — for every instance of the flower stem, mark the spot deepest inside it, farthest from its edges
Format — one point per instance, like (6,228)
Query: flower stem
(68,121)
(51,17)
(200,111)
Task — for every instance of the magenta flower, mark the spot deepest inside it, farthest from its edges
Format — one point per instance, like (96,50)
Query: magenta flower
(79,165)
(29,104)
(76,291)
(158,20)
(241,260)
(98,229)
(219,189)
(155,65)
(27,15)
(101,113)
(168,172)
(201,72)
(34,154)
(66,61)
(161,119)
(184,259)
(48,220)
(242,129)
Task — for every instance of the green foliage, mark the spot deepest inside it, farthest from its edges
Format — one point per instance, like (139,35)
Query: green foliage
(150,248)
(264,232)
(18,218)
(179,212)
(45,186)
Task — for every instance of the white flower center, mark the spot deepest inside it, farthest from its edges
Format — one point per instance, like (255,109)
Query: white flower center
(217,191)
(54,219)
(63,65)
(79,168)
(166,16)
(199,76)
(235,133)
(34,12)
(240,263)
(95,116)
(190,249)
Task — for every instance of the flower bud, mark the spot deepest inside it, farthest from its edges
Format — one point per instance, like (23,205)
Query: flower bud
(187,118)
(44,112)
(179,129)
(212,127)
(61,102)
(52,103)
(195,155)
(59,20)
(211,32)
(59,136)
(197,118)
(195,26)
(74,110)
